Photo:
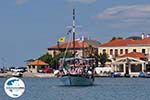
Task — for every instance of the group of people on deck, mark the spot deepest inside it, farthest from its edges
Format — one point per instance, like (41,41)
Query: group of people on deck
(77,68)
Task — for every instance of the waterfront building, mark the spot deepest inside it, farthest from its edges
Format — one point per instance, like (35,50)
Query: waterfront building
(83,47)
(130,64)
(120,47)
(36,66)
(128,56)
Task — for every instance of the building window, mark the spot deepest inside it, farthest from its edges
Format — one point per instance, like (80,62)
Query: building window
(119,68)
(116,52)
(33,67)
(121,51)
(111,51)
(148,68)
(126,51)
(134,50)
(136,68)
(29,67)
(104,51)
(143,51)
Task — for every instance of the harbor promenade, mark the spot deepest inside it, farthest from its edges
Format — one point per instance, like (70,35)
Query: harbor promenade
(27,74)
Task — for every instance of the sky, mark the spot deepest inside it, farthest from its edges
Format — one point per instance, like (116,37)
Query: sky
(29,27)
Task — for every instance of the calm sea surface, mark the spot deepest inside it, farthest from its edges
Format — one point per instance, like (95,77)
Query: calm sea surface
(103,89)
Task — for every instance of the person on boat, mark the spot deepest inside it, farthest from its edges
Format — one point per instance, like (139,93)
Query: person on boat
(72,71)
(60,73)
(77,63)
(80,70)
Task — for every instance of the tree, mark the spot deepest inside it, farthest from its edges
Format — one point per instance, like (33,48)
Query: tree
(46,58)
(54,61)
(102,58)
(56,58)
(114,38)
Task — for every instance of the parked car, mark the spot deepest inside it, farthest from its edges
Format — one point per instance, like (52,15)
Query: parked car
(19,69)
(48,70)
(11,68)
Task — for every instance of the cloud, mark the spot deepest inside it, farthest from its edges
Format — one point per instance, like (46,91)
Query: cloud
(130,15)
(126,12)
(20,2)
(83,1)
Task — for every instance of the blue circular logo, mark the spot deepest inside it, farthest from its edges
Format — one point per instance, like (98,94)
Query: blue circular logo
(14,87)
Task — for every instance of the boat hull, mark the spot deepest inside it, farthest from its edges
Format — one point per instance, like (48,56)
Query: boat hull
(76,80)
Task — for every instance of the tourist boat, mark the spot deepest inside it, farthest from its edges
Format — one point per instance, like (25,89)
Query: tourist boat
(76,80)
(78,74)
(74,71)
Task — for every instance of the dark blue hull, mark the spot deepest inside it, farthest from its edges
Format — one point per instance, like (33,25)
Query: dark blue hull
(77,80)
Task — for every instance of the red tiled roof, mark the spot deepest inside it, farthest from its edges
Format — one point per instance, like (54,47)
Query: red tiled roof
(78,44)
(137,55)
(38,63)
(118,42)
(126,42)
(143,41)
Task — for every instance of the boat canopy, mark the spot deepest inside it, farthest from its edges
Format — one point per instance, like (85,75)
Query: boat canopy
(77,61)
(76,58)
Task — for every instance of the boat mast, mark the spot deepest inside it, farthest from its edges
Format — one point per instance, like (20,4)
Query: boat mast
(73,29)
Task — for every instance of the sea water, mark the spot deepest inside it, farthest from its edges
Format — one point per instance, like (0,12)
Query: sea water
(103,89)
